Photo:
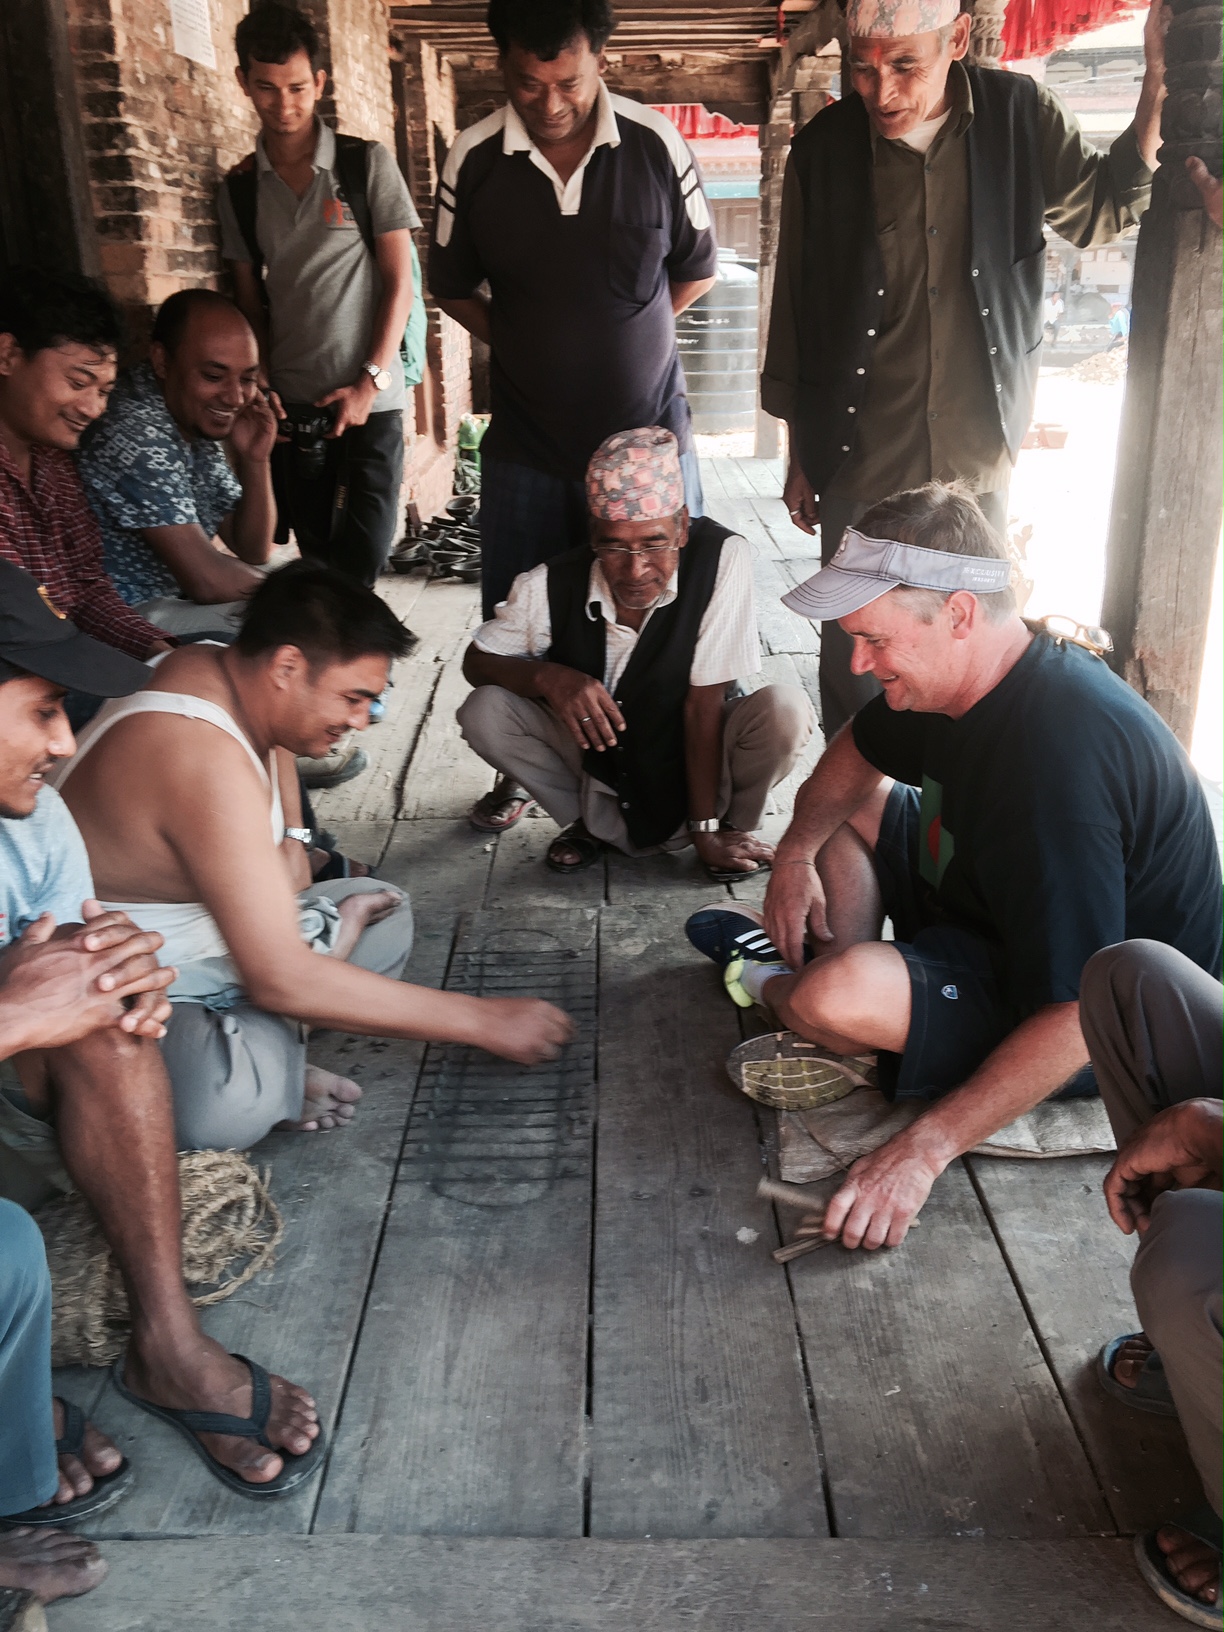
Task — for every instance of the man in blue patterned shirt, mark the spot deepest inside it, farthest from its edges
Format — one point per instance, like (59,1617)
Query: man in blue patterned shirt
(158,479)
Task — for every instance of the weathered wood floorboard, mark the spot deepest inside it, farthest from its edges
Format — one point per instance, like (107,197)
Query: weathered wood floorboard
(466,1407)
(358,1583)
(445,777)
(937,1413)
(699,1417)
(521,877)
(1073,1268)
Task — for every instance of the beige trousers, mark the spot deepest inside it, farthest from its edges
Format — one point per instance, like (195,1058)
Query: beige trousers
(763,735)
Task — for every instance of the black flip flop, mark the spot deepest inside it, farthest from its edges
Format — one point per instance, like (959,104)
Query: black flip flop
(107,1488)
(1204,1525)
(737,875)
(297,1469)
(589,849)
(1151,1391)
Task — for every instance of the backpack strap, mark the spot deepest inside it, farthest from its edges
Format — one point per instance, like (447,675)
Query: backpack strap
(351,175)
(240,185)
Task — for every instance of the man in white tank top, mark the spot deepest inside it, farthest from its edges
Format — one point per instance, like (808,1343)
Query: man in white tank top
(196,852)
(82,1080)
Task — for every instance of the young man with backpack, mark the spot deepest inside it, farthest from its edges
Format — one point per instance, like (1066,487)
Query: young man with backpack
(317,228)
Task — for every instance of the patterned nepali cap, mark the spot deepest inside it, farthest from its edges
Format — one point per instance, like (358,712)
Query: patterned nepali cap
(898,19)
(635,476)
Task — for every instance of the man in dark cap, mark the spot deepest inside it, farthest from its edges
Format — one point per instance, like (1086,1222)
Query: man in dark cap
(105,1088)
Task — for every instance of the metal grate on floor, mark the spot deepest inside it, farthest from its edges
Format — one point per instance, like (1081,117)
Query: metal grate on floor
(487,1132)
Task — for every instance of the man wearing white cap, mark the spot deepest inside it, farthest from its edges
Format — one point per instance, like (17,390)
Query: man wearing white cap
(906,323)
(602,680)
(1010,804)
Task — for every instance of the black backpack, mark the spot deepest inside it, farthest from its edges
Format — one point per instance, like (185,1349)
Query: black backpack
(240,184)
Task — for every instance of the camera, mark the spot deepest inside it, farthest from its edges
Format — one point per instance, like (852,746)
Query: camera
(307,428)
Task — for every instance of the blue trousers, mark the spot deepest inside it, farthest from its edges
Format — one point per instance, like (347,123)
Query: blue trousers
(527,516)
(29,1472)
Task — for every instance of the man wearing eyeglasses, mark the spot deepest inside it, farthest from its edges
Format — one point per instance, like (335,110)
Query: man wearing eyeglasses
(601,682)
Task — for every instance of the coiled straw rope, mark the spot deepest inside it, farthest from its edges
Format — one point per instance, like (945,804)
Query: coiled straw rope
(228,1216)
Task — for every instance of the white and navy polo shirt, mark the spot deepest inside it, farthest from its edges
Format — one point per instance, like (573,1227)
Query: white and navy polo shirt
(584,340)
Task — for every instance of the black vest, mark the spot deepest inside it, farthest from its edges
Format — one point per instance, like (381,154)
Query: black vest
(647,767)
(842,301)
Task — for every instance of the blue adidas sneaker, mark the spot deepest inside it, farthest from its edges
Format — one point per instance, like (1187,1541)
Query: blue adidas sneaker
(733,937)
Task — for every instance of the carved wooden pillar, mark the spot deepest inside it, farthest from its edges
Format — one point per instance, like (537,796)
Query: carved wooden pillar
(774,137)
(1165,522)
(986,37)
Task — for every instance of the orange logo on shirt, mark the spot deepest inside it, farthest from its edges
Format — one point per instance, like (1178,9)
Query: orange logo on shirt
(48,602)
(336,213)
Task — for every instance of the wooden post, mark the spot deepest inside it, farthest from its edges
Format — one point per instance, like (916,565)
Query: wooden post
(774,137)
(1165,522)
(986,37)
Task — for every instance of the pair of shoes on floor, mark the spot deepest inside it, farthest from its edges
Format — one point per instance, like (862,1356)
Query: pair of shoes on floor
(345,761)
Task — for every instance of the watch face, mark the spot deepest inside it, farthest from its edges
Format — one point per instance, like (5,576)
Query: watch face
(380,377)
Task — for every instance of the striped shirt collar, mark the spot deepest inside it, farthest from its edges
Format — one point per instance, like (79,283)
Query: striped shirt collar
(517,139)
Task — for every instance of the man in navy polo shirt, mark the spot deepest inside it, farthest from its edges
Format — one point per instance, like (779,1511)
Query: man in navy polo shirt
(585,214)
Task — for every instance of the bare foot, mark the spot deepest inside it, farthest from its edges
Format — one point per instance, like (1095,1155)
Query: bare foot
(49,1563)
(206,1378)
(358,912)
(1192,1563)
(330,1102)
(99,1455)
(1131,1358)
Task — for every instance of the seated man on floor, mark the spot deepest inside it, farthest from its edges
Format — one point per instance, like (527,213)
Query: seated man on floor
(601,683)
(100,1091)
(59,340)
(158,479)
(1012,806)
(216,878)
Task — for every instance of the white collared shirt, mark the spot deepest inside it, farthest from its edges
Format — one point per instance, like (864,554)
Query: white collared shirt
(517,139)
(727,645)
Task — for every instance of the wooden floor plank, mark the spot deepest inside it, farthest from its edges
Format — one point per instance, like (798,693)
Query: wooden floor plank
(522,878)
(937,1413)
(781,629)
(358,1583)
(699,1416)
(442,612)
(445,777)
(466,1409)
(1073,1267)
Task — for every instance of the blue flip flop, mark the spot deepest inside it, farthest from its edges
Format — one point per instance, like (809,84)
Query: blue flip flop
(297,1469)
(1204,1525)
(106,1490)
(1151,1391)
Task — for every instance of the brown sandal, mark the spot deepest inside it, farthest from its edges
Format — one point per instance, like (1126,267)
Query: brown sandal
(499,809)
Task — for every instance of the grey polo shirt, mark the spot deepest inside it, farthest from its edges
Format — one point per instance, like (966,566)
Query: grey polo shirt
(323,286)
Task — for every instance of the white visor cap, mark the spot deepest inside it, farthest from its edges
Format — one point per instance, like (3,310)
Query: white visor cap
(863,569)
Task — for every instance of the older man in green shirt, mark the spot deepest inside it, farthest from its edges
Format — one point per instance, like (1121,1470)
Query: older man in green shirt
(906,324)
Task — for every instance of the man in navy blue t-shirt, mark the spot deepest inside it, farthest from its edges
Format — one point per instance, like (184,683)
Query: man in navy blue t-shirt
(1012,806)
(585,215)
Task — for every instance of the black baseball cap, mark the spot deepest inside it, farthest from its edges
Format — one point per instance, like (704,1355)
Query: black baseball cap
(37,638)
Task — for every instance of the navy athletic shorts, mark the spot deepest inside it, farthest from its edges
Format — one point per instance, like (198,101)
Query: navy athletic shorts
(957,1012)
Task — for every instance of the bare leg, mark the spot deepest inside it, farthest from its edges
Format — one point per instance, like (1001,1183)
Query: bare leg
(50,1563)
(115,1122)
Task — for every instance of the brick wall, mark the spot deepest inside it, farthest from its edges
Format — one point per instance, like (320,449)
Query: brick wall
(159,131)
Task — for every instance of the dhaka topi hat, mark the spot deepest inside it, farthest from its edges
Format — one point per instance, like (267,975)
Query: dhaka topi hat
(863,569)
(898,19)
(635,476)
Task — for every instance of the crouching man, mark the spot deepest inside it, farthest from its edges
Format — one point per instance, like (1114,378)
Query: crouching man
(1010,804)
(601,683)
(217,876)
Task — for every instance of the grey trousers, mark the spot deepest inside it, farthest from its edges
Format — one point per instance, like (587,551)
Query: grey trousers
(763,735)
(1152,1021)
(842,694)
(234,1073)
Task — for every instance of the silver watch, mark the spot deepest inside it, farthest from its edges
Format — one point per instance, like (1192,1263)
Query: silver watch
(380,376)
(710,825)
(303,835)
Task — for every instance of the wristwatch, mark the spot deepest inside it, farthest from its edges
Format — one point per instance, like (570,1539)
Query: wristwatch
(710,825)
(380,376)
(303,835)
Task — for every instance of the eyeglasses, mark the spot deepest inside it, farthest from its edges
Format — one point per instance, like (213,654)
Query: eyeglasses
(1096,640)
(623,549)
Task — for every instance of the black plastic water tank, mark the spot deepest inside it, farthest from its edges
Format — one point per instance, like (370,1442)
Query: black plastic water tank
(717,338)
